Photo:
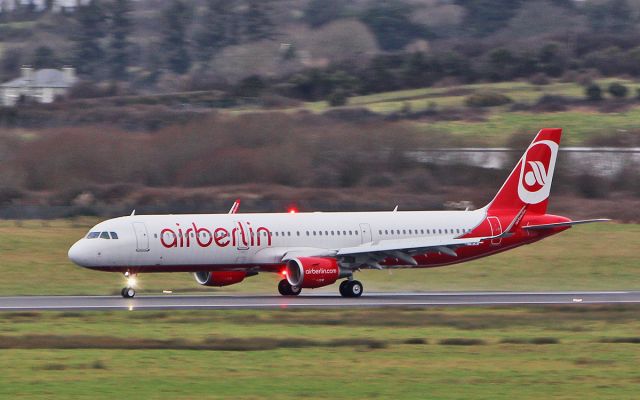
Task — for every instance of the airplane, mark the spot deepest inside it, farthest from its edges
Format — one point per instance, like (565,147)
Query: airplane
(316,249)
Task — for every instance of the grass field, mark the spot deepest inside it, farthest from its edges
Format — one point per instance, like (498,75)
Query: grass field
(499,124)
(449,353)
(599,256)
(570,352)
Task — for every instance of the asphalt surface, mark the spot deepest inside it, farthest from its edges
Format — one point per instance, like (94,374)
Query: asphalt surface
(172,301)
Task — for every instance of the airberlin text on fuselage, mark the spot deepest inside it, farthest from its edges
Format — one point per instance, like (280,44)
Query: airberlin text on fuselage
(194,236)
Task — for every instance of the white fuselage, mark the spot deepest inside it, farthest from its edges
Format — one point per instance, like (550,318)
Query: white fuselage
(173,242)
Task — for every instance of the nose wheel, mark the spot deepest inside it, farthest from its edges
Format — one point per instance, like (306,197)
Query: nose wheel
(129,292)
(351,288)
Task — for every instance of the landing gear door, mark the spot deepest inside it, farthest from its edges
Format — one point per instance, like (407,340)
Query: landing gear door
(142,236)
(365,231)
(496,229)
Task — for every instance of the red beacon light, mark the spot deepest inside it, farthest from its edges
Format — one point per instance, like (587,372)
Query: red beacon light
(292,210)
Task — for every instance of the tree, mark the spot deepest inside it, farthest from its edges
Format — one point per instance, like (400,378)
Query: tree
(258,24)
(487,16)
(320,12)
(44,57)
(175,19)
(593,92)
(88,54)
(215,29)
(119,44)
(501,64)
(391,23)
(618,90)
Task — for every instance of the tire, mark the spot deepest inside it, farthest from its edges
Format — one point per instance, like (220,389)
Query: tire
(351,289)
(285,288)
(128,292)
(356,289)
(295,290)
(343,288)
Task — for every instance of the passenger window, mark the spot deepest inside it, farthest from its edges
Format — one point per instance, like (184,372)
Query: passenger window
(104,235)
(404,231)
(338,232)
(350,233)
(114,235)
(326,233)
(93,235)
(344,233)
(332,233)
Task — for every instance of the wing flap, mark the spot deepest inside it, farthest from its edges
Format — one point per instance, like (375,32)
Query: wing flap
(388,246)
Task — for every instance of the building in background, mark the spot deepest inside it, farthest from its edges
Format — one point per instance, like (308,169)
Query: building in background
(40,5)
(41,86)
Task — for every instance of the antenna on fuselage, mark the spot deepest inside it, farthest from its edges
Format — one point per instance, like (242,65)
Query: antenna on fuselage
(133,213)
(235,207)
(395,209)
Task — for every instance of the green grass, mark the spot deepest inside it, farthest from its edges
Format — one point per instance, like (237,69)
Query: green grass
(454,96)
(397,353)
(598,257)
(579,123)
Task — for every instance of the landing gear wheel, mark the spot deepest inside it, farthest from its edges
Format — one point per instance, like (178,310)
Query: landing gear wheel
(343,288)
(285,288)
(128,292)
(351,289)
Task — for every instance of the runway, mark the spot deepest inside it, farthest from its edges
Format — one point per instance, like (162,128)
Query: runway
(196,302)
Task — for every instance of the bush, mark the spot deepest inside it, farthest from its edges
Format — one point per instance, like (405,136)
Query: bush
(618,90)
(539,79)
(487,99)
(593,92)
(338,98)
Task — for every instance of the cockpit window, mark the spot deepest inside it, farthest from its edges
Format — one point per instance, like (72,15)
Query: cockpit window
(104,235)
(93,235)
(114,235)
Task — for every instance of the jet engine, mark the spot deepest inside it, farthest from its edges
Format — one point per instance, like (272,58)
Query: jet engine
(314,272)
(219,278)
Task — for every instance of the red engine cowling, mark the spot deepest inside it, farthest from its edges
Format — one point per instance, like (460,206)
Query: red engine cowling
(219,278)
(314,272)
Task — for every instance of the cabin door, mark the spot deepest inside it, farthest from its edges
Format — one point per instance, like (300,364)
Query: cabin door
(142,236)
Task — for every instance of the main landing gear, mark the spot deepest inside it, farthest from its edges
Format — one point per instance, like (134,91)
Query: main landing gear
(351,288)
(348,288)
(285,288)
(128,292)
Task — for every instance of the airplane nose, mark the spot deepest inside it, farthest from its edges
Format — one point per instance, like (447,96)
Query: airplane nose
(76,254)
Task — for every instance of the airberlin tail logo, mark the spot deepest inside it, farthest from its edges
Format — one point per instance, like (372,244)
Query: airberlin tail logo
(536,171)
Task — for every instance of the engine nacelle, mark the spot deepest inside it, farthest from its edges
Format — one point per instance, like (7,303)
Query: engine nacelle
(314,272)
(219,278)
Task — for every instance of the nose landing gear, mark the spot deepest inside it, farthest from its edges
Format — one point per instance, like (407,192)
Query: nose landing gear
(129,292)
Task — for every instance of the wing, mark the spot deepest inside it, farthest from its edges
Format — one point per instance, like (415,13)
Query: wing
(372,254)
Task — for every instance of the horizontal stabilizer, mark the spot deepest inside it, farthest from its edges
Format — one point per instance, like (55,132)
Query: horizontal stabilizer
(563,224)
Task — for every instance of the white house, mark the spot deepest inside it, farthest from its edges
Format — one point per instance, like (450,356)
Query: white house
(39,5)
(42,86)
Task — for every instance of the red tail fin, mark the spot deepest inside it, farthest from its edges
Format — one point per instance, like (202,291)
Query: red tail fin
(530,181)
